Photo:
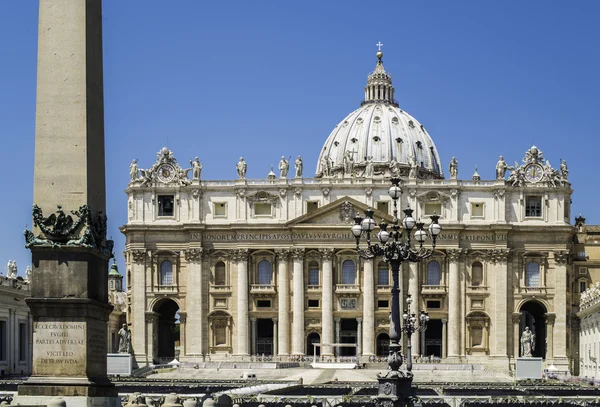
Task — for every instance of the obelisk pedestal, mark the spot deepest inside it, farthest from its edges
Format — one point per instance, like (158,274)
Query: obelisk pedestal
(70,253)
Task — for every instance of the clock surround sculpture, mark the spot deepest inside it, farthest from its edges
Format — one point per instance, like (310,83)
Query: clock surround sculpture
(395,247)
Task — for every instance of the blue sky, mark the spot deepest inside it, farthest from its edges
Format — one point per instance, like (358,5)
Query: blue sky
(262,79)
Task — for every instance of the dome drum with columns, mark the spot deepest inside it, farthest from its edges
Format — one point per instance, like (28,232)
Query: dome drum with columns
(379,138)
(268,268)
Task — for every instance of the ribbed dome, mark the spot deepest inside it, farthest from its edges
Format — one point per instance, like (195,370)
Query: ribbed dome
(381,133)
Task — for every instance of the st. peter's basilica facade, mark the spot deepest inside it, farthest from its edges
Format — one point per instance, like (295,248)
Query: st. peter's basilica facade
(269,267)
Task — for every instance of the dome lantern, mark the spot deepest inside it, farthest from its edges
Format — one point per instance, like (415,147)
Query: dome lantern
(379,87)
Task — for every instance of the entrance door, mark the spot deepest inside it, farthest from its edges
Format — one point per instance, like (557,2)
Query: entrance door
(168,330)
(313,337)
(433,338)
(383,345)
(532,315)
(348,334)
(264,337)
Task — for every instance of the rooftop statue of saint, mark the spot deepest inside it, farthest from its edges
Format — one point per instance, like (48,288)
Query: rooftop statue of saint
(133,171)
(284,166)
(196,168)
(453,168)
(501,167)
(299,166)
(241,168)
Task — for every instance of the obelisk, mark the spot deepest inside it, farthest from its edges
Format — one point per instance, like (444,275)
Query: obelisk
(70,253)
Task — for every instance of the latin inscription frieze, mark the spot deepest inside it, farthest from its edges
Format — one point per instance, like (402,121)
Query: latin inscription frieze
(236,237)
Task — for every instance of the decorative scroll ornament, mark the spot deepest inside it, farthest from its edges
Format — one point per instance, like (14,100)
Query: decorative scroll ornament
(166,170)
(535,171)
(60,229)
(193,255)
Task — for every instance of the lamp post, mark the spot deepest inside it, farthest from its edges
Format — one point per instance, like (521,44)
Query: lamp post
(395,247)
(410,327)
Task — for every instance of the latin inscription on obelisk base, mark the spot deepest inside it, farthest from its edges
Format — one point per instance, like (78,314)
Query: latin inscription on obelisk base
(70,253)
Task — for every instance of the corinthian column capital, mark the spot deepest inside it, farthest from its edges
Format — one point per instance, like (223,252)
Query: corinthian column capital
(454,254)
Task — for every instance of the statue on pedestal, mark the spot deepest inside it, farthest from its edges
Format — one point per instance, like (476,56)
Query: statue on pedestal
(299,166)
(133,171)
(28,274)
(453,168)
(11,269)
(124,339)
(527,343)
(284,166)
(196,168)
(564,170)
(241,168)
(501,167)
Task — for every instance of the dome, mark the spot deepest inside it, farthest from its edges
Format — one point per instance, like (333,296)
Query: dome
(379,138)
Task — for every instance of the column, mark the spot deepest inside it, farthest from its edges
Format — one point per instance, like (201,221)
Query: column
(516,320)
(359,337)
(444,336)
(550,318)
(150,329)
(413,290)
(501,311)
(283,313)
(368,328)
(138,307)
(241,258)
(298,302)
(327,302)
(275,337)
(454,313)
(560,305)
(337,334)
(193,303)
(253,343)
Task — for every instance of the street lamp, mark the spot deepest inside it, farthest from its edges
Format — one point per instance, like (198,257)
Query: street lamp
(395,247)
(410,327)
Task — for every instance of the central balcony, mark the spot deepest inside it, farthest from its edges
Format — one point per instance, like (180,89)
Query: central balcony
(347,289)
(263,289)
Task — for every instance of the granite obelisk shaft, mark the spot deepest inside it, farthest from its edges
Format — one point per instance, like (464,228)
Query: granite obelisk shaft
(69,300)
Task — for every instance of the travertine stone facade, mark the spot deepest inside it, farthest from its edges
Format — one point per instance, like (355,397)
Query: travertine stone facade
(277,268)
(15,327)
(586,296)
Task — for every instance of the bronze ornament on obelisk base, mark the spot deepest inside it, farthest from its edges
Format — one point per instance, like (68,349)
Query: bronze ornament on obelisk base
(70,253)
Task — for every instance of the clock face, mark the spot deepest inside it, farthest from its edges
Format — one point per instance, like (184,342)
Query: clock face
(534,173)
(166,173)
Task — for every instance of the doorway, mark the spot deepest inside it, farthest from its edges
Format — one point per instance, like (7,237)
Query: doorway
(348,334)
(168,329)
(433,338)
(533,316)
(264,337)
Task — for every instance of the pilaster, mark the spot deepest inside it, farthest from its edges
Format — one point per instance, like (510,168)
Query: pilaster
(454,311)
(368,327)
(241,258)
(298,302)
(193,302)
(283,311)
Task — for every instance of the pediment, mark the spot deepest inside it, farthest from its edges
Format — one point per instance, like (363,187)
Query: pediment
(338,213)
(433,196)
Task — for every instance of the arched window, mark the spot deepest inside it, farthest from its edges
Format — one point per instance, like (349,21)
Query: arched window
(166,273)
(313,273)
(434,273)
(476,274)
(383,274)
(265,272)
(220,277)
(348,272)
(532,276)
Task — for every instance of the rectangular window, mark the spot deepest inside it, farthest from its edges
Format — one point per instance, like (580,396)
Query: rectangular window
(262,209)
(533,206)
(582,286)
(312,206)
(313,277)
(383,206)
(220,209)
(476,210)
(263,303)
(434,304)
(583,270)
(3,340)
(166,205)
(432,209)
(313,303)
(22,342)
(383,304)
(383,277)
